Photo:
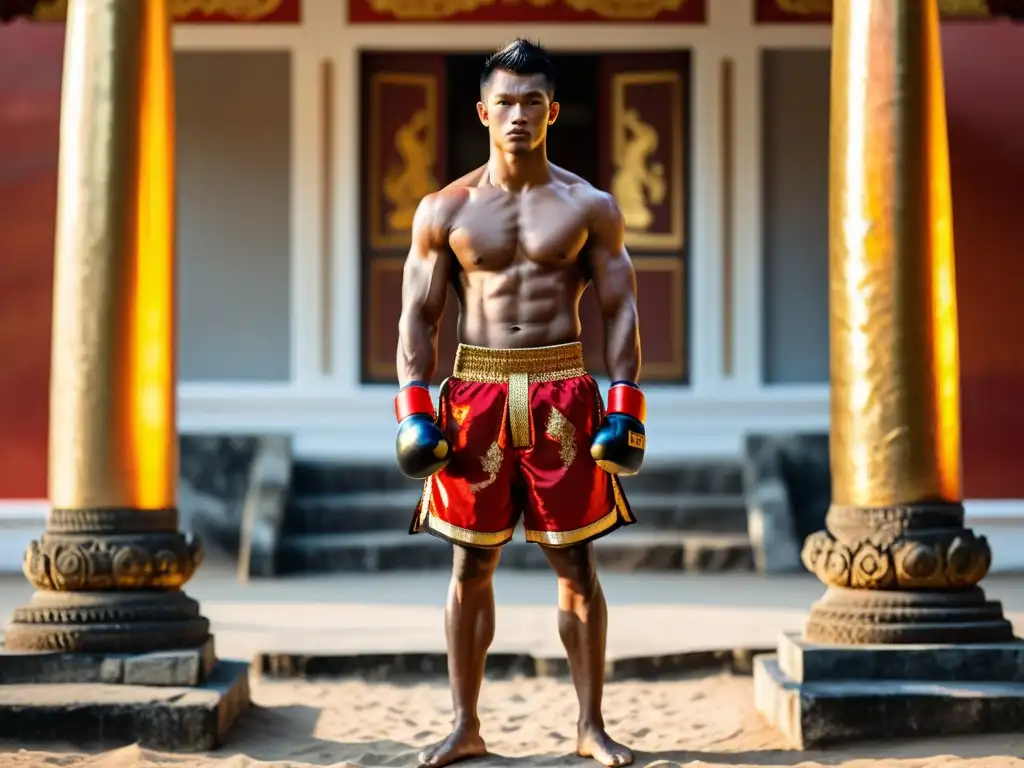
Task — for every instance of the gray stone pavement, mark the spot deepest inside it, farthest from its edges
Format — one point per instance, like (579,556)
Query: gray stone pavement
(650,613)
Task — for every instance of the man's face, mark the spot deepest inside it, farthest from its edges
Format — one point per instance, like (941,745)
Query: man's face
(517,111)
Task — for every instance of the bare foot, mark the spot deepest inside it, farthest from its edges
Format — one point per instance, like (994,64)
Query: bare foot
(462,743)
(596,743)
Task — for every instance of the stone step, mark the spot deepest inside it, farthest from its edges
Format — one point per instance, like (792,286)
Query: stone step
(686,478)
(631,549)
(393,510)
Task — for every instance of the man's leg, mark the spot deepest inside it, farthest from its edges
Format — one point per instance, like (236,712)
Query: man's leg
(583,626)
(469,627)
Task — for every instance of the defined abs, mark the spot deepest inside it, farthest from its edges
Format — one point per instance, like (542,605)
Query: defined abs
(519,310)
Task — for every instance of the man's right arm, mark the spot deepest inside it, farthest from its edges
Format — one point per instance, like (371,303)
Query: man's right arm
(424,290)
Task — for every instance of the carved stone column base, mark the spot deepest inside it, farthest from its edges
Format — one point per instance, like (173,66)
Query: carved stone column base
(109,581)
(904,574)
(107,622)
(870,617)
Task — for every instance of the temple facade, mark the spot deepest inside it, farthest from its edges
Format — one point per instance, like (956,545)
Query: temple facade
(307,130)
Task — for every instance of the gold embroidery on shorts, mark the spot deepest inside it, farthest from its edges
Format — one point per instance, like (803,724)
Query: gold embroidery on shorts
(635,440)
(459,413)
(519,408)
(561,430)
(491,463)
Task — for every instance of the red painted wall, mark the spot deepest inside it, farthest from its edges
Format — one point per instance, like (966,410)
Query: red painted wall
(30,73)
(984,80)
(984,66)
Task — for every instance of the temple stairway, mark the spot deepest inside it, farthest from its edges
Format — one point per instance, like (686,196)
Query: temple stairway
(691,516)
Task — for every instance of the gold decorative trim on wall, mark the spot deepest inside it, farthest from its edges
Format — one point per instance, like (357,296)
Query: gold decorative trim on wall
(327,216)
(675,367)
(946,7)
(243,10)
(511,11)
(640,183)
(728,147)
(397,185)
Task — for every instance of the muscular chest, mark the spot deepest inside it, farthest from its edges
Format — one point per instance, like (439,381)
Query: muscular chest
(495,230)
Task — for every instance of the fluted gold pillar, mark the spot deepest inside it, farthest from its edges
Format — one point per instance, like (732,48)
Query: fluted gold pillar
(109,567)
(900,565)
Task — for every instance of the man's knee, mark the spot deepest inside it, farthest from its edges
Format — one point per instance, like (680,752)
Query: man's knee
(474,566)
(576,568)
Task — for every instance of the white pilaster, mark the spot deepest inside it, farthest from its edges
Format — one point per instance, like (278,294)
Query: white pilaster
(704,292)
(306,304)
(349,199)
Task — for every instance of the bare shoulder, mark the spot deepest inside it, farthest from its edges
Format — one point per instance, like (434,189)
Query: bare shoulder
(437,210)
(602,209)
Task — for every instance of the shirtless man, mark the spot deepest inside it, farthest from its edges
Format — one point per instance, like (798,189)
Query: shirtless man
(520,427)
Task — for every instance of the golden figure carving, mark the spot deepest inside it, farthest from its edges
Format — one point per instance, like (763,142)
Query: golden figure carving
(946,7)
(442,9)
(244,10)
(409,181)
(625,9)
(561,430)
(637,183)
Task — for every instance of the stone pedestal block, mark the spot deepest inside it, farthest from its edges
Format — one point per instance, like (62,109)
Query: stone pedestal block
(179,719)
(185,667)
(820,695)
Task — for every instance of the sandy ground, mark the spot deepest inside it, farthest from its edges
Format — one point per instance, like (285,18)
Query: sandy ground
(698,721)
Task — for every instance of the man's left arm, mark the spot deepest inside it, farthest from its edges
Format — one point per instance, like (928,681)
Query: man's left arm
(621,440)
(615,284)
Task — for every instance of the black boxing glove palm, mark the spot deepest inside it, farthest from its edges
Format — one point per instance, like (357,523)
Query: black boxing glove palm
(420,446)
(620,441)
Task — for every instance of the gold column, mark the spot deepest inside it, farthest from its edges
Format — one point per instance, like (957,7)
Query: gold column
(111,551)
(896,556)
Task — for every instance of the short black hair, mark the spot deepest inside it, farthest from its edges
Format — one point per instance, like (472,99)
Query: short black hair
(520,57)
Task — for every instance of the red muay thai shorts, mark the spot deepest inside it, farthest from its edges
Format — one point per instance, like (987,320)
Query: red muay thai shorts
(520,423)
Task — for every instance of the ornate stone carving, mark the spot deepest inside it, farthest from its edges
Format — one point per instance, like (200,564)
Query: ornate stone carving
(863,616)
(95,521)
(75,562)
(108,582)
(901,575)
(923,547)
(106,622)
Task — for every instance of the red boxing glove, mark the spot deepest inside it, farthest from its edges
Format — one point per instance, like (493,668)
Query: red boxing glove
(627,399)
(413,399)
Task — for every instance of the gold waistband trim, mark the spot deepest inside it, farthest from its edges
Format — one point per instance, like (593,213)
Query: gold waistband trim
(497,366)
